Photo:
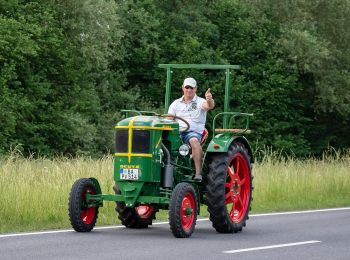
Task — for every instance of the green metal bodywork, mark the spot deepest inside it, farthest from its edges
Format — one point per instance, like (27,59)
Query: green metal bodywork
(149,165)
(222,141)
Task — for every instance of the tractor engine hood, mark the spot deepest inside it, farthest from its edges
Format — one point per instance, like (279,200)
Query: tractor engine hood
(148,122)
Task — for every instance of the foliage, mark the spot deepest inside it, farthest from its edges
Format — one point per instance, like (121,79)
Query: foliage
(314,42)
(67,68)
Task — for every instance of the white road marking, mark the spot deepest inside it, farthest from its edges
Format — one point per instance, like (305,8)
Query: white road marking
(36,233)
(270,247)
(298,212)
(65,231)
(162,223)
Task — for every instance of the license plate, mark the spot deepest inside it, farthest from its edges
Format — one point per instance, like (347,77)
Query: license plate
(129,174)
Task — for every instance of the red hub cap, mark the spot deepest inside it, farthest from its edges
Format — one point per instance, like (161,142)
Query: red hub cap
(187,212)
(237,188)
(144,211)
(88,214)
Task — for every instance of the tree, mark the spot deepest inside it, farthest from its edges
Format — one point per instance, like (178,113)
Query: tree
(314,39)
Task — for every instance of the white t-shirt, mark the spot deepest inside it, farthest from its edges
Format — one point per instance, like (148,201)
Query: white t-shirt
(192,112)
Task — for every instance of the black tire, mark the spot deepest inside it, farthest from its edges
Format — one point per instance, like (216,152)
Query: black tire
(182,223)
(229,186)
(82,217)
(136,217)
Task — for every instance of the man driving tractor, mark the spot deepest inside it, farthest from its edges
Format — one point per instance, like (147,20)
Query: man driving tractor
(154,170)
(194,110)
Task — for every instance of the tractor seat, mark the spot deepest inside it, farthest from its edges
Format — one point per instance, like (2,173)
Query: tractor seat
(204,136)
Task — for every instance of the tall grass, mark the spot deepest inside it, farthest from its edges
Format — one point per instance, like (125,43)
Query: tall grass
(34,192)
(288,184)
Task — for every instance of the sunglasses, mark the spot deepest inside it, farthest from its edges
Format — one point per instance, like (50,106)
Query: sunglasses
(189,87)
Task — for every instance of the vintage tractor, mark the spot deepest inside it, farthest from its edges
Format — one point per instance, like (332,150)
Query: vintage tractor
(153,170)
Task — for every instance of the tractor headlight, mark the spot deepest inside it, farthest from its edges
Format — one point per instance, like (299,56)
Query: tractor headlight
(184,149)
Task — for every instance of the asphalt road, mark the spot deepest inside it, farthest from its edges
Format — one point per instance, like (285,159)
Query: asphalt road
(308,235)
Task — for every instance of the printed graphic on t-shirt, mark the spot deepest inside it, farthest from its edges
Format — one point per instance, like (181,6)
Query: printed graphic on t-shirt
(190,111)
(193,107)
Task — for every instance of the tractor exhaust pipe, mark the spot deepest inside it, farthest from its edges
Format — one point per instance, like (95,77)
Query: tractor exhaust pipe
(168,177)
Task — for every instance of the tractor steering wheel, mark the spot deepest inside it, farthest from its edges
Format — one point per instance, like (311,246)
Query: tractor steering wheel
(180,118)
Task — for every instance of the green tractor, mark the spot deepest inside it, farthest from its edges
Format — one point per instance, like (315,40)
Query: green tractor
(153,170)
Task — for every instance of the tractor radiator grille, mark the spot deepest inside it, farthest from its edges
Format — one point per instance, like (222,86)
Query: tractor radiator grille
(121,141)
(140,141)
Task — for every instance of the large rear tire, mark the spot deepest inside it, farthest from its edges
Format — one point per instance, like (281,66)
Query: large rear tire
(136,217)
(82,216)
(229,186)
(183,210)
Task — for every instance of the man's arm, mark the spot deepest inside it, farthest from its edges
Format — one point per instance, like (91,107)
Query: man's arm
(209,103)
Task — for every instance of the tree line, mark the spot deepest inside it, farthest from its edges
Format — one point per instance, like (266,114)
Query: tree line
(68,67)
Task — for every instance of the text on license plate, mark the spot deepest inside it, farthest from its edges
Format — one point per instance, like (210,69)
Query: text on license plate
(129,174)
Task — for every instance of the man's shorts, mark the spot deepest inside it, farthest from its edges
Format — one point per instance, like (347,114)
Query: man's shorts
(186,136)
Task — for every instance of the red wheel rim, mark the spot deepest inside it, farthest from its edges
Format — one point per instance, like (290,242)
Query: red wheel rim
(144,211)
(237,188)
(87,214)
(187,211)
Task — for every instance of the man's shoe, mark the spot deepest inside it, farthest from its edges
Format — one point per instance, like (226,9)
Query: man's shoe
(198,178)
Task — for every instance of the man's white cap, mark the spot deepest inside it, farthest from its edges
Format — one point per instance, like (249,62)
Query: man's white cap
(190,82)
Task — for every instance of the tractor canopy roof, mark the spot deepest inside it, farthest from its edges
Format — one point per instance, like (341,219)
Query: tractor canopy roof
(228,74)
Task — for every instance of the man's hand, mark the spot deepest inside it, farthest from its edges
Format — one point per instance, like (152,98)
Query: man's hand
(208,95)
(209,104)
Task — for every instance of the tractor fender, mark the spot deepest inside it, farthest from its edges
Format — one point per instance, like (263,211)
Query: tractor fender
(97,185)
(221,143)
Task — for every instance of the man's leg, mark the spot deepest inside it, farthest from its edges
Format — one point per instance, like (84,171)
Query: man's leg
(197,154)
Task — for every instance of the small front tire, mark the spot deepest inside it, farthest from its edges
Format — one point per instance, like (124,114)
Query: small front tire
(82,215)
(183,210)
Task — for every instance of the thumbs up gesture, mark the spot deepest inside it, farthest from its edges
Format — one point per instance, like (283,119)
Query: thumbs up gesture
(208,95)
